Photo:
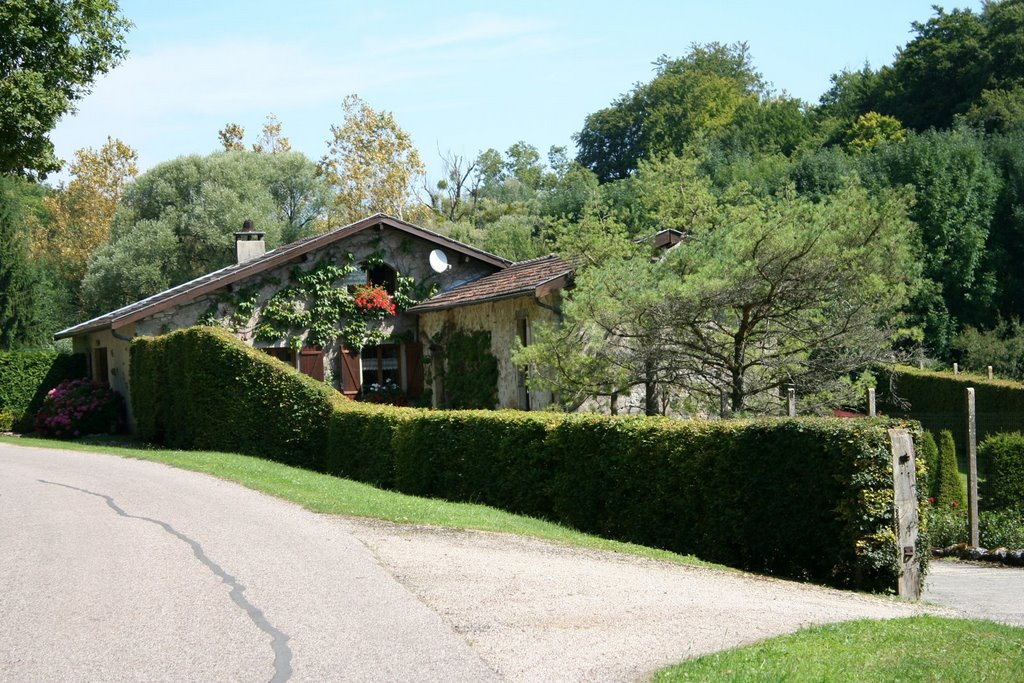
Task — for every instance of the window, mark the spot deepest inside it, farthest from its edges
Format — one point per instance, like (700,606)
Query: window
(381,365)
(383,276)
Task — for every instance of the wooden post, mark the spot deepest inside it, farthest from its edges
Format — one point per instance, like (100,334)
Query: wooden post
(972,470)
(956,368)
(990,372)
(871,403)
(905,513)
(791,402)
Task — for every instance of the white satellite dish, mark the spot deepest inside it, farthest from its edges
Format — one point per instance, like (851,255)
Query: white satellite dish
(438,261)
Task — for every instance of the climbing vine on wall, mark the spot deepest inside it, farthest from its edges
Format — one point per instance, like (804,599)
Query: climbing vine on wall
(466,367)
(319,306)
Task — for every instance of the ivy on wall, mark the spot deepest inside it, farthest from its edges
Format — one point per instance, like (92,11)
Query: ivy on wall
(317,308)
(467,369)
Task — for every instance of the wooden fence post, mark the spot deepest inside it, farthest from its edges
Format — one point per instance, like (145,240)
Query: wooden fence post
(905,512)
(972,470)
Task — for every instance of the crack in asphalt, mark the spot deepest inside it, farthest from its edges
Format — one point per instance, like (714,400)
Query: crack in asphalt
(279,640)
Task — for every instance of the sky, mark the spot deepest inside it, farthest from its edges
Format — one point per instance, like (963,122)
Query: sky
(460,77)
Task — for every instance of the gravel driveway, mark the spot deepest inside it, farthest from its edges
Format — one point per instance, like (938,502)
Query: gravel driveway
(109,571)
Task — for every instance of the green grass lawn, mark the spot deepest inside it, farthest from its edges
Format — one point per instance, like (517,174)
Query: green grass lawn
(911,649)
(333,495)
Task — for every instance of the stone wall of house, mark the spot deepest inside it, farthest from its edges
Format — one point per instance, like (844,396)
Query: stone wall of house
(407,254)
(115,347)
(502,319)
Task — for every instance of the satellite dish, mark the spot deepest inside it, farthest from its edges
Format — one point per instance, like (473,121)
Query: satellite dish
(438,261)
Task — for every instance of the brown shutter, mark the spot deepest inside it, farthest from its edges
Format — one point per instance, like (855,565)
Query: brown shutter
(311,362)
(414,369)
(351,378)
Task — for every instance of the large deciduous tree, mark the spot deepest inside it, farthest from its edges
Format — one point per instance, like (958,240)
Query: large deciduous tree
(51,51)
(371,164)
(176,221)
(81,213)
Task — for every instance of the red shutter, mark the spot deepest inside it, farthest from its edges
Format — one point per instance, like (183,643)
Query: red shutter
(414,369)
(311,362)
(351,378)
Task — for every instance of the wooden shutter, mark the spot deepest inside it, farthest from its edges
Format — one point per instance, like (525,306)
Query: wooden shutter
(311,362)
(351,377)
(414,369)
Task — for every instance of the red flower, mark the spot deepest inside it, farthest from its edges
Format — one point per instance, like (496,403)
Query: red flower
(374,298)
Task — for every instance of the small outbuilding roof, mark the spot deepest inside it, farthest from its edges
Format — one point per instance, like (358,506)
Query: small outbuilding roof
(225,276)
(535,277)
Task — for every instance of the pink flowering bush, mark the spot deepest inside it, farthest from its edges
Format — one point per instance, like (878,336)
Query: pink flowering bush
(79,406)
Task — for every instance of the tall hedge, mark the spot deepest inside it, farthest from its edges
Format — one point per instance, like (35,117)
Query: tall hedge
(202,388)
(26,376)
(937,401)
(1003,488)
(808,499)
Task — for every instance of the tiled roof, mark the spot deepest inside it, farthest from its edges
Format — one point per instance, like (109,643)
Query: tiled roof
(221,278)
(535,277)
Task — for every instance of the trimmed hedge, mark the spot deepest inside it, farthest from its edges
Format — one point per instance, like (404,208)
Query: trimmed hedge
(26,376)
(937,401)
(202,388)
(1003,489)
(803,498)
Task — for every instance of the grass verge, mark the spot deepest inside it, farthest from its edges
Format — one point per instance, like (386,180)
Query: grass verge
(333,495)
(912,649)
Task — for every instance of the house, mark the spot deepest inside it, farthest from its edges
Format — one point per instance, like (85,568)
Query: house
(318,304)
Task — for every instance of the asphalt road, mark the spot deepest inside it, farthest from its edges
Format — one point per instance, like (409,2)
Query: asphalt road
(114,569)
(978,591)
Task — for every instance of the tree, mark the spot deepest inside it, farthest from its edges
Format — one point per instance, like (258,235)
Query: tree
(696,97)
(371,164)
(602,349)
(955,191)
(51,51)
(16,282)
(782,291)
(270,141)
(82,213)
(177,220)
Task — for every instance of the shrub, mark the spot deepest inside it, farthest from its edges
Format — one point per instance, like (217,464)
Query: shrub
(947,526)
(26,377)
(80,406)
(809,498)
(202,388)
(948,486)
(1003,488)
(996,528)
(928,451)
(937,400)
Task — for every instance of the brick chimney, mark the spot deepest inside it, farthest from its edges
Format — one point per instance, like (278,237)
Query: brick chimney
(249,244)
